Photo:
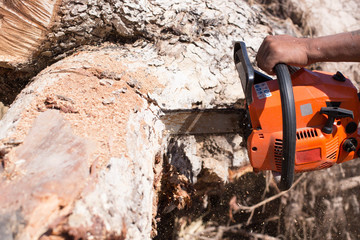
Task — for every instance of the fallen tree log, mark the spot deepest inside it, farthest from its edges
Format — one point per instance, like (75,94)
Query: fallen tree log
(103,105)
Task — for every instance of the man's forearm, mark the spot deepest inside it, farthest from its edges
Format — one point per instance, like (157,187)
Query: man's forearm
(335,48)
(343,47)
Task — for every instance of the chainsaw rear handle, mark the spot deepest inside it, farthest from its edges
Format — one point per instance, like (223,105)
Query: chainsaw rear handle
(289,126)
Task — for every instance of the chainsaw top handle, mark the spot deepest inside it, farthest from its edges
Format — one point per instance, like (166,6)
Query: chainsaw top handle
(248,77)
(289,126)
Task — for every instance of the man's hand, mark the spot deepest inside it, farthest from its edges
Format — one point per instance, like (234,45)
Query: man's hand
(282,49)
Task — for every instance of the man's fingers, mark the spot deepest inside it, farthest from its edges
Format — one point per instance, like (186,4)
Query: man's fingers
(264,56)
(265,62)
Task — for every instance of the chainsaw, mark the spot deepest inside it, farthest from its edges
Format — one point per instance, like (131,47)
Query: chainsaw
(301,121)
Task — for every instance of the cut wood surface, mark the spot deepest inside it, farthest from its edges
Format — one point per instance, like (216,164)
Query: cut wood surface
(23,24)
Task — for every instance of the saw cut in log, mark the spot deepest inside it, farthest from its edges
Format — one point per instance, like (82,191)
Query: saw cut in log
(23,24)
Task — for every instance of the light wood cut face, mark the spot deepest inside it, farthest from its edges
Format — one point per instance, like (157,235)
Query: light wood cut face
(23,24)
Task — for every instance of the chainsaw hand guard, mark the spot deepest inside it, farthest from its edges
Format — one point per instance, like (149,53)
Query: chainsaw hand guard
(245,70)
(289,126)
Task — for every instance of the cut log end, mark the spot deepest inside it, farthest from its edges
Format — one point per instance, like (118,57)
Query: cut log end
(23,25)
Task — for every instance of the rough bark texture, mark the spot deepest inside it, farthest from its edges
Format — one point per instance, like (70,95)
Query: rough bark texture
(195,36)
(107,69)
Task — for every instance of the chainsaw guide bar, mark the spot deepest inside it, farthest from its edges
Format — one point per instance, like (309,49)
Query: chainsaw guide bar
(204,121)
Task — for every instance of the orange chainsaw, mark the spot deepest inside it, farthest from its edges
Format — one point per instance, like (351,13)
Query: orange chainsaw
(303,121)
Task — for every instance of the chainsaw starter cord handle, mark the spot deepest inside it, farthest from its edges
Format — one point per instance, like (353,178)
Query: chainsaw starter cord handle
(289,126)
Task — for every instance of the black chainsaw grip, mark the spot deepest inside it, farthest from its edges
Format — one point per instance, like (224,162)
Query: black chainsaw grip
(289,126)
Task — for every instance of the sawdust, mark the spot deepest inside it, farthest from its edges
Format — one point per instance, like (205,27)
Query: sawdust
(97,99)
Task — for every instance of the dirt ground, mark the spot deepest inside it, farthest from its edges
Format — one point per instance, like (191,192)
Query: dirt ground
(321,205)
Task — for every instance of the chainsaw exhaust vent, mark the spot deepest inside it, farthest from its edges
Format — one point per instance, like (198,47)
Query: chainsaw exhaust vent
(307,133)
(278,150)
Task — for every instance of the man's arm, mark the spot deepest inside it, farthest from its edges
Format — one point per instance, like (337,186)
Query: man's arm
(343,47)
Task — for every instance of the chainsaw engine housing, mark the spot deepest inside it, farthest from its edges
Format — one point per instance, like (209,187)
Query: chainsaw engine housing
(327,117)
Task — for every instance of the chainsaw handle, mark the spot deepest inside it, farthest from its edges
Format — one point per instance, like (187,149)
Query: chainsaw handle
(289,126)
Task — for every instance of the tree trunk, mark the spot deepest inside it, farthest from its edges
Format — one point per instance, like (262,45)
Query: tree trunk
(104,104)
